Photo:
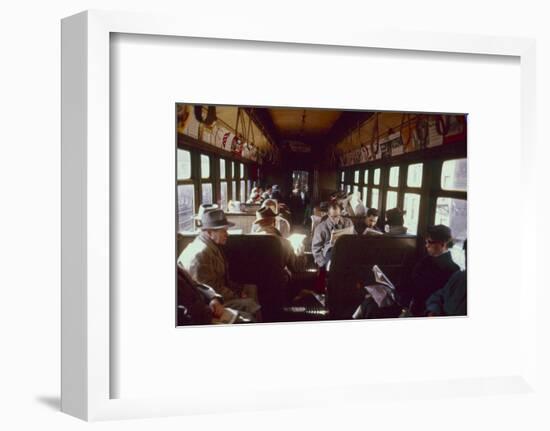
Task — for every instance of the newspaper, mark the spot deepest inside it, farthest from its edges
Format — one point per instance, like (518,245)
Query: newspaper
(372,232)
(383,292)
(337,233)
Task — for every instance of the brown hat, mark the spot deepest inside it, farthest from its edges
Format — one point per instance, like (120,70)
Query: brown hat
(214,219)
(264,215)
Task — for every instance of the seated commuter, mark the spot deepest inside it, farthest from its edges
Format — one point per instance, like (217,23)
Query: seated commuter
(266,194)
(433,270)
(395,222)
(369,225)
(343,199)
(255,196)
(281,223)
(276,193)
(204,260)
(323,237)
(265,222)
(319,214)
(199,304)
(451,299)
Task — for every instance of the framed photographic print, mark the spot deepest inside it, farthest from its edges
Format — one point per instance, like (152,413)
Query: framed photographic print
(235,200)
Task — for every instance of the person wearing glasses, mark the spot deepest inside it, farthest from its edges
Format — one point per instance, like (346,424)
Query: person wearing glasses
(434,270)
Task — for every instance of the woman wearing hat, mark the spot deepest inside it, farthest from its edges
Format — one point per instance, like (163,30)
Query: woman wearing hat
(206,263)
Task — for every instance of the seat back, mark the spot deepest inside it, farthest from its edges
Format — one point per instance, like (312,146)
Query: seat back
(353,257)
(259,260)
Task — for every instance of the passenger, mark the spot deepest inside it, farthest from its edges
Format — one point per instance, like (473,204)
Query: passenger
(267,193)
(451,299)
(281,223)
(323,238)
(255,196)
(296,207)
(319,214)
(370,221)
(276,193)
(204,260)
(199,304)
(265,221)
(395,222)
(433,270)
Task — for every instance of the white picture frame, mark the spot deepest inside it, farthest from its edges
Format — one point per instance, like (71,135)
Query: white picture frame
(86,312)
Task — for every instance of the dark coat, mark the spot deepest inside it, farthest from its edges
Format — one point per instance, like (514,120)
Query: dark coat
(451,299)
(428,276)
(194,300)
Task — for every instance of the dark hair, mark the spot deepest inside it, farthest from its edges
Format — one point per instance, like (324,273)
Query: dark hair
(394,217)
(372,212)
(334,204)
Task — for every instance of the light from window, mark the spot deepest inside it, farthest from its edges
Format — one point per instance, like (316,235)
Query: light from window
(356,177)
(411,206)
(366,176)
(454,175)
(414,175)
(374,198)
(223,195)
(342,176)
(243,191)
(355,189)
(377,176)
(222,168)
(186,207)
(230,169)
(394,176)
(453,213)
(234,190)
(206,197)
(391,200)
(349,188)
(184,164)
(205,166)
(342,186)
(365,197)
(242,170)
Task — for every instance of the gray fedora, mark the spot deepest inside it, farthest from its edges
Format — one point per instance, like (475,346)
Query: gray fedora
(214,219)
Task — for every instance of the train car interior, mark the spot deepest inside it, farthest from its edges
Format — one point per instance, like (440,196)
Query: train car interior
(289,214)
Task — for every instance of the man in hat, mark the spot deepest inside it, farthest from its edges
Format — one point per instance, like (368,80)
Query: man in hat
(276,193)
(322,242)
(281,223)
(434,270)
(265,224)
(204,260)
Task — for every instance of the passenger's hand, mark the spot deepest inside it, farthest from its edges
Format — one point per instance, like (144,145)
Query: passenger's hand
(217,308)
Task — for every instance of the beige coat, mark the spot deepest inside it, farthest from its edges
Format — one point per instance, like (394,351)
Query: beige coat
(206,263)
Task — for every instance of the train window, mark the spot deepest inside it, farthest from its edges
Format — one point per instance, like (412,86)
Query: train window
(356,177)
(342,176)
(243,191)
(223,195)
(206,196)
(205,166)
(391,200)
(374,198)
(184,164)
(242,171)
(234,190)
(394,176)
(366,177)
(186,207)
(414,175)
(365,197)
(453,175)
(232,172)
(411,207)
(222,168)
(452,212)
(349,188)
(377,176)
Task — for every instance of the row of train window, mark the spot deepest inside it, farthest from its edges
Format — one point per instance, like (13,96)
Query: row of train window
(406,186)
(200,176)
(205,179)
